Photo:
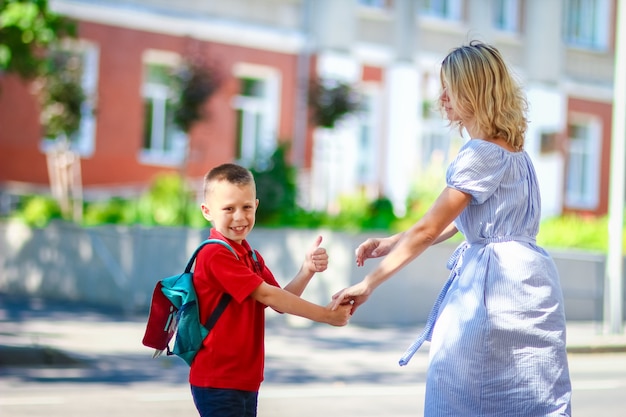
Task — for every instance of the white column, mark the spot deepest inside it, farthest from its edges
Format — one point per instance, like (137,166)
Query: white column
(547,100)
(547,111)
(334,150)
(614,265)
(401,165)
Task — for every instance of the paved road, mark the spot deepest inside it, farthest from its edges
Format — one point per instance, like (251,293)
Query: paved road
(360,386)
(310,371)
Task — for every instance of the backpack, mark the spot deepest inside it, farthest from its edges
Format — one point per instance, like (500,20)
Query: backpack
(174,310)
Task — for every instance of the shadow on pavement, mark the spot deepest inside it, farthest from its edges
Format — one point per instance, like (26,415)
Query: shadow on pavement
(49,353)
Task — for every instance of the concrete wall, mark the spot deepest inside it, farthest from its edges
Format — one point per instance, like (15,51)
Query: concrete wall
(118,267)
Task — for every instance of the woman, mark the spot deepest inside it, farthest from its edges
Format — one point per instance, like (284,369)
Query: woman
(497,330)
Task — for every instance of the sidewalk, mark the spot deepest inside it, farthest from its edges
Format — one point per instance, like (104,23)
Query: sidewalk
(589,337)
(37,333)
(58,360)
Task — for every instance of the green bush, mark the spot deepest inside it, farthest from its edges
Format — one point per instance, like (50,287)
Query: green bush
(169,202)
(38,210)
(165,203)
(194,216)
(113,211)
(574,231)
(423,194)
(276,189)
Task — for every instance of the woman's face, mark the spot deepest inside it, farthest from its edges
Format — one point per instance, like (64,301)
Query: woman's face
(448,102)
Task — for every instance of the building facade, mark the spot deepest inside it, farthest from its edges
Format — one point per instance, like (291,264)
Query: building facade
(269,50)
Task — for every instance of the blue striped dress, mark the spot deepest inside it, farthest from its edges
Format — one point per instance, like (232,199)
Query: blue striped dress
(498,334)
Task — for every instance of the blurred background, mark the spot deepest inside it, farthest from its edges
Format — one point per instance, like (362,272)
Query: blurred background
(112,111)
(343,90)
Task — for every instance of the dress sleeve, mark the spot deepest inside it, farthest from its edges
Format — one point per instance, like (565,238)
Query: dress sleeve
(477,170)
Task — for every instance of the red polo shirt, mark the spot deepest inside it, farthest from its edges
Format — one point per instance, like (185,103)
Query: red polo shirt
(233,353)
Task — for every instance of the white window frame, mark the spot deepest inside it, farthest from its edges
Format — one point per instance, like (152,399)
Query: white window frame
(437,140)
(587,24)
(435,144)
(583,164)
(373,4)
(448,10)
(160,94)
(260,115)
(508,20)
(83,142)
(369,147)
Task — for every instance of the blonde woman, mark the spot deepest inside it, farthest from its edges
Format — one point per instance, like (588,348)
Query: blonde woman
(497,330)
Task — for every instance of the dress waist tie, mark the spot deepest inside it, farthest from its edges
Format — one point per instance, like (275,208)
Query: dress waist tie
(454,264)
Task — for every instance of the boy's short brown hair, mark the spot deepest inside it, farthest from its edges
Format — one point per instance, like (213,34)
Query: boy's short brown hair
(232,173)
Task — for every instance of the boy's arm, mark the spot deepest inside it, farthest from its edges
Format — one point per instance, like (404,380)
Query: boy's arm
(286,302)
(316,260)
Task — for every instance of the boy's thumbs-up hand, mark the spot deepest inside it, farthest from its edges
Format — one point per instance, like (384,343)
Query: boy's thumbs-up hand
(316,259)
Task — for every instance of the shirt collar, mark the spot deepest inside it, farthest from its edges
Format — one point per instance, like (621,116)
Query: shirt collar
(242,249)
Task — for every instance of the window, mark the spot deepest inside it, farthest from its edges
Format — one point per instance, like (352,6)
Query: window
(587,24)
(85,56)
(435,144)
(163,142)
(442,9)
(367,150)
(506,15)
(583,165)
(375,4)
(548,142)
(437,140)
(257,114)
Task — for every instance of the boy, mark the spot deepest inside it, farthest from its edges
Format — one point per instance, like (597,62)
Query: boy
(226,374)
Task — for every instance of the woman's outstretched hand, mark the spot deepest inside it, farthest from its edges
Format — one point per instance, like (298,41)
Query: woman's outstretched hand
(373,248)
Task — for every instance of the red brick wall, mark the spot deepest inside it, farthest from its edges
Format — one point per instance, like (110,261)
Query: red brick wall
(119,111)
(603,111)
(20,133)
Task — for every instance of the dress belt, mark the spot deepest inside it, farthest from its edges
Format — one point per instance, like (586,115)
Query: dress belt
(454,265)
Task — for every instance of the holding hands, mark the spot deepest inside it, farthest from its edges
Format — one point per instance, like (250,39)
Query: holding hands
(340,315)
(351,297)
(359,293)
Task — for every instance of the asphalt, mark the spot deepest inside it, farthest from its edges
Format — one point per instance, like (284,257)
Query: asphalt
(66,359)
(106,345)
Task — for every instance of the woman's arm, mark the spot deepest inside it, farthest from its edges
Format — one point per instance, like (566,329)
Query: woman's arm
(447,233)
(427,231)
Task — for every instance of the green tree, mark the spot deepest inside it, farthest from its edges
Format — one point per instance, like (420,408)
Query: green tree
(331,100)
(276,189)
(195,82)
(61,95)
(27,29)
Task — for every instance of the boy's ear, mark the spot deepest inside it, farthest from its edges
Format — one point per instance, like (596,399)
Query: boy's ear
(206,212)
(257,204)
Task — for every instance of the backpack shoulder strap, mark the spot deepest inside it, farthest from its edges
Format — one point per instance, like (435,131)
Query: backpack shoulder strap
(192,259)
(217,312)
(225,298)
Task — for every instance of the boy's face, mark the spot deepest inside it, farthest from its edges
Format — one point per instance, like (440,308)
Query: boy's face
(231,208)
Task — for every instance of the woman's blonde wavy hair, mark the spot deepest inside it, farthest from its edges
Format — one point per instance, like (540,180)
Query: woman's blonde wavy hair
(485,91)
